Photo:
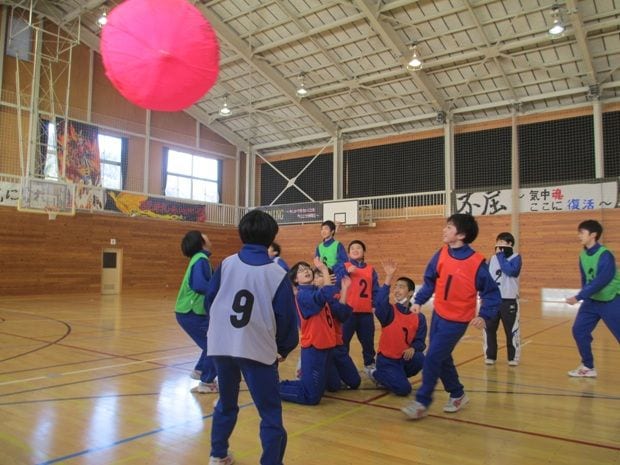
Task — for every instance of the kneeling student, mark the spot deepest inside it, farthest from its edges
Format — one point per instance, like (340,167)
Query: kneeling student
(403,335)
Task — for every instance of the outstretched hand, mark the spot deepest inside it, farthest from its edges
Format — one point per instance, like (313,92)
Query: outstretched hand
(478,323)
(389,266)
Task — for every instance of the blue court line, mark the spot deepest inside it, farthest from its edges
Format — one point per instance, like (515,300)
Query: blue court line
(126,440)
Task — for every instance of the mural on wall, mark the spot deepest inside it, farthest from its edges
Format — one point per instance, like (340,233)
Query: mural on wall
(153,207)
(89,197)
(9,193)
(82,163)
(571,197)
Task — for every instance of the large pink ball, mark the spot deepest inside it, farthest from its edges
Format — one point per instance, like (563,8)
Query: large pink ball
(160,54)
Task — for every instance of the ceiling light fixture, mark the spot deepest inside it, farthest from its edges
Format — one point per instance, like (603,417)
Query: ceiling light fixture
(103,18)
(415,63)
(558,26)
(225,111)
(301,88)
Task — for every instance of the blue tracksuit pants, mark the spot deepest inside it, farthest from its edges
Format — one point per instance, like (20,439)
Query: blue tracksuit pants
(262,381)
(394,374)
(196,327)
(438,363)
(362,324)
(341,369)
(589,314)
(310,388)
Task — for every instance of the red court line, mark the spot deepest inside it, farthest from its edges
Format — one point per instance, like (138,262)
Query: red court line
(483,425)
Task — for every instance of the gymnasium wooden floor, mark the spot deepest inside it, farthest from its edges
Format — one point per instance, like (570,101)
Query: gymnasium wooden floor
(91,379)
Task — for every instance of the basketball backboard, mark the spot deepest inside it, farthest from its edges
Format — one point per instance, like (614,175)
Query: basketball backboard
(341,211)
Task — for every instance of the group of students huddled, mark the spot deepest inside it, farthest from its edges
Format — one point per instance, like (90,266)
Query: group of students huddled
(255,311)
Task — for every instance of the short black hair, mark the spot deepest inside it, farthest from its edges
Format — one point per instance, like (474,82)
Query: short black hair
(506,237)
(292,274)
(592,226)
(409,281)
(331,224)
(192,243)
(276,248)
(257,227)
(357,242)
(465,224)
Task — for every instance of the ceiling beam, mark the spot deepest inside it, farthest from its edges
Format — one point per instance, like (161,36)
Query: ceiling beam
(275,78)
(582,41)
(391,38)
(492,52)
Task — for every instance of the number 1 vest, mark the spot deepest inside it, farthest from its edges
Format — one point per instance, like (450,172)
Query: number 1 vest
(398,335)
(455,288)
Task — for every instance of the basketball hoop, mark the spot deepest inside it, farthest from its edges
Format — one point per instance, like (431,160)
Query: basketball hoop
(51,212)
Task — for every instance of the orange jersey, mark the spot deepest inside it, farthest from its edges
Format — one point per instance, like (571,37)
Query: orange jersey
(359,295)
(318,330)
(398,335)
(455,289)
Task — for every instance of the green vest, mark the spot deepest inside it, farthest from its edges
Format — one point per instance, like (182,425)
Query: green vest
(329,254)
(589,263)
(187,299)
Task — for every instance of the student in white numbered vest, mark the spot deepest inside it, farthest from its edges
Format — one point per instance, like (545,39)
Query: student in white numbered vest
(505,268)
(252,326)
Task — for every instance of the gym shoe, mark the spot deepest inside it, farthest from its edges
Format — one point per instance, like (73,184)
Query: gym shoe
(455,404)
(513,363)
(582,371)
(369,369)
(228,460)
(195,374)
(489,361)
(415,410)
(205,388)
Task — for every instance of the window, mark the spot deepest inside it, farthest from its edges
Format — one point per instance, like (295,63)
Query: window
(110,152)
(110,155)
(192,177)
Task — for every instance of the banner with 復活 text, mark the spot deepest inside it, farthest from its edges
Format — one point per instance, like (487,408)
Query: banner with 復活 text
(570,197)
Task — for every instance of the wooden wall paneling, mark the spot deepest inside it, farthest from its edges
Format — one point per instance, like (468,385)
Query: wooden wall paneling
(64,255)
(109,106)
(40,256)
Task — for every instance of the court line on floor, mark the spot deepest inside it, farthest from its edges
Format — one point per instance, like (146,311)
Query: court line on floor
(87,370)
(129,439)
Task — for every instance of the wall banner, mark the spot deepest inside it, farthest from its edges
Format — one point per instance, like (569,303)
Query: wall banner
(570,197)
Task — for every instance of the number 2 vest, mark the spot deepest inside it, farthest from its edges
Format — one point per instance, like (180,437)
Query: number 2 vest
(455,288)
(359,295)
(398,335)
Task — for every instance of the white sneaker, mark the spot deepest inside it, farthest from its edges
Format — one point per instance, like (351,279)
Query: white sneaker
(195,374)
(369,369)
(205,388)
(582,371)
(228,460)
(371,376)
(489,361)
(513,363)
(456,403)
(415,410)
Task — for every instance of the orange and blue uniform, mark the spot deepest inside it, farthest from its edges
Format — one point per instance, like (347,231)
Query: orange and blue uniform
(455,275)
(318,338)
(400,330)
(342,372)
(360,297)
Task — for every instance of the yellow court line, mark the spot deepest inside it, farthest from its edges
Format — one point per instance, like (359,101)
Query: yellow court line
(328,420)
